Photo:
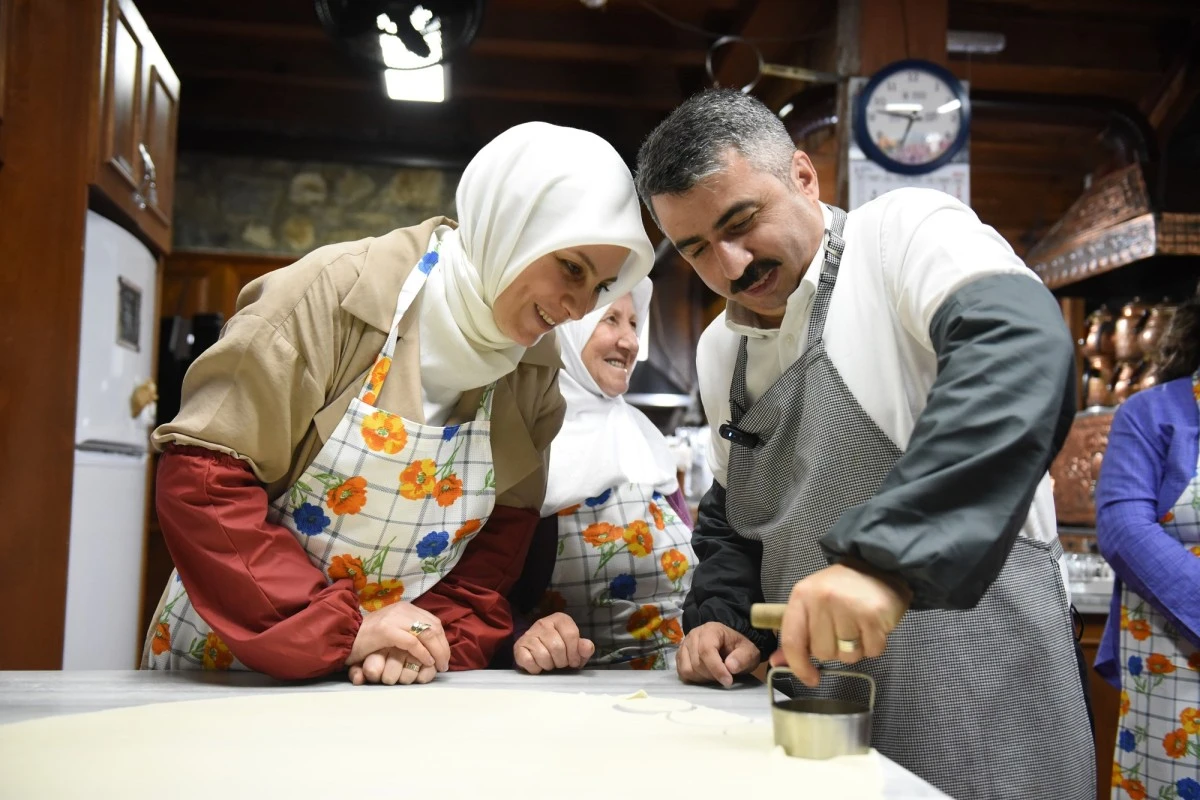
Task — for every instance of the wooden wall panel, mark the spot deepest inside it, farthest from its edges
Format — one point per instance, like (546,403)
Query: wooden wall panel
(51,51)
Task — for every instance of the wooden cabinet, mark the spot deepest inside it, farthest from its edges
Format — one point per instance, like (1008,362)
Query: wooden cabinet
(138,110)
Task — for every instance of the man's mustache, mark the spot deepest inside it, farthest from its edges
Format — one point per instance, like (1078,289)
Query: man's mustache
(753,274)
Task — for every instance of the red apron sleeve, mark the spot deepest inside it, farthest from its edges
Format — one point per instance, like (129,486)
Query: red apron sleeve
(471,600)
(249,579)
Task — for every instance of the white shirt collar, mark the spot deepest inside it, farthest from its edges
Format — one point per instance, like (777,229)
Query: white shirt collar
(744,322)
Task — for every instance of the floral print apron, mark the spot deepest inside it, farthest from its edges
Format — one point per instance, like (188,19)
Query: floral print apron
(388,503)
(1158,746)
(622,572)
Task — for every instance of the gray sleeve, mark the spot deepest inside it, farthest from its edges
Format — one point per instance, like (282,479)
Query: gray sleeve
(950,510)
(726,581)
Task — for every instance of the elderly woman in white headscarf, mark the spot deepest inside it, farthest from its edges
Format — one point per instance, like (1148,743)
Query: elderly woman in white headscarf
(359,462)
(614,548)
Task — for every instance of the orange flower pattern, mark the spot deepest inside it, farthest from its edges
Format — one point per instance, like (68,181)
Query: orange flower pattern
(1124,702)
(1159,664)
(675,564)
(1175,743)
(657,514)
(348,566)
(375,596)
(644,622)
(216,654)
(1167,517)
(1195,550)
(1190,719)
(384,432)
(638,538)
(348,497)
(1139,629)
(375,381)
(1134,789)
(672,630)
(469,528)
(1124,618)
(569,510)
(599,533)
(161,642)
(447,490)
(417,480)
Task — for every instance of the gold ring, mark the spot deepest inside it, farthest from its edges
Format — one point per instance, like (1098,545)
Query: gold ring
(419,627)
(847,645)
(414,666)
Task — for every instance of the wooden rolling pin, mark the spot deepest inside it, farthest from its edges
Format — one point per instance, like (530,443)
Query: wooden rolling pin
(767,616)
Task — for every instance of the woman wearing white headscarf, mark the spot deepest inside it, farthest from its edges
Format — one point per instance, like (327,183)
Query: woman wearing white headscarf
(616,536)
(358,463)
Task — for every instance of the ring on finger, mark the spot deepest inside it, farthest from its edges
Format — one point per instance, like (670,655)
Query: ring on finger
(847,645)
(413,665)
(419,627)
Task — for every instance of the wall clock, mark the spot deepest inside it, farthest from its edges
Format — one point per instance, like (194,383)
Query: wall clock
(912,117)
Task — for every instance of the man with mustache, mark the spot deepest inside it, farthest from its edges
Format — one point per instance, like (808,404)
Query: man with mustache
(886,391)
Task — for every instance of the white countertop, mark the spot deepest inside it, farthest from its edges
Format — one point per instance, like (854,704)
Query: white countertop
(31,695)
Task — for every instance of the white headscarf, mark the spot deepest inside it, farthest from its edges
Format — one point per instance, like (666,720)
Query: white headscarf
(534,189)
(604,441)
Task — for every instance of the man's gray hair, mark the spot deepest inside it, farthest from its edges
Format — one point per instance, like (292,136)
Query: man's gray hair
(691,143)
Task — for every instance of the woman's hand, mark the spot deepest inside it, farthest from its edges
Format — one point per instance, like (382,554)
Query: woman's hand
(552,642)
(391,647)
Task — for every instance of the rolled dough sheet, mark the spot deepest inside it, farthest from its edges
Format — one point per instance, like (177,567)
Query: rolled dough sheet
(411,742)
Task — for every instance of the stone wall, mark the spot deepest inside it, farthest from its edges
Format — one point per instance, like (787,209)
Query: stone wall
(288,207)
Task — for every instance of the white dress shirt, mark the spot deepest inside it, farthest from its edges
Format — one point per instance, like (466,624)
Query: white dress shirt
(906,252)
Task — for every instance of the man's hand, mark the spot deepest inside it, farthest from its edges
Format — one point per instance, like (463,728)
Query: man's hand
(841,613)
(715,652)
(553,642)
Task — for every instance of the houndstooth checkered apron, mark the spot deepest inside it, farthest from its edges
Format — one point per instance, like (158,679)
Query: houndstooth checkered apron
(388,503)
(985,704)
(623,569)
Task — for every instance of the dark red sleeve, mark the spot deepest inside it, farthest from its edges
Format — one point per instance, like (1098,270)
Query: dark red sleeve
(471,600)
(248,578)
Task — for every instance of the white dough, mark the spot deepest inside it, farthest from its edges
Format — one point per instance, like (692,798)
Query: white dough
(414,742)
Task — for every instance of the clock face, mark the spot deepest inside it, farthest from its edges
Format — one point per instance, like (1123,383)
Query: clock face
(913,116)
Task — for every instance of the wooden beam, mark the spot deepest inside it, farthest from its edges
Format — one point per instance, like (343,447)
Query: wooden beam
(179,31)
(1138,9)
(1170,101)
(1115,83)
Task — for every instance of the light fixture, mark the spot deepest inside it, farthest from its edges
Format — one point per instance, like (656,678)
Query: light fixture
(410,76)
(975,42)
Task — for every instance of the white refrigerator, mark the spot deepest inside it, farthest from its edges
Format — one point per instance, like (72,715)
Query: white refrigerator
(112,426)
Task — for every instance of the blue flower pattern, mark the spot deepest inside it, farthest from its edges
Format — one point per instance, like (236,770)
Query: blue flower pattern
(432,544)
(1135,666)
(622,587)
(1188,788)
(309,519)
(599,499)
(1127,741)
(449,432)
(428,262)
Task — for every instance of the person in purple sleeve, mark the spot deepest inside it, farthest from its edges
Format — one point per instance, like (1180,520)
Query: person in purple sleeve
(610,563)
(1148,528)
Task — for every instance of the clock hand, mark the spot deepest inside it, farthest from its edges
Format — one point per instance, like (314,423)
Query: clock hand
(907,128)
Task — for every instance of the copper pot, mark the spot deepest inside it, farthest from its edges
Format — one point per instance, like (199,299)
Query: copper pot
(1149,378)
(1126,329)
(1126,382)
(1099,337)
(1157,323)
(1098,381)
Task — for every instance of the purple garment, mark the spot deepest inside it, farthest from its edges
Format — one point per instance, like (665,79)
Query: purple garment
(1150,459)
(680,507)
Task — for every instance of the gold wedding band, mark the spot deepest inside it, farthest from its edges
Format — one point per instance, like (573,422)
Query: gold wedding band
(414,666)
(847,645)
(419,627)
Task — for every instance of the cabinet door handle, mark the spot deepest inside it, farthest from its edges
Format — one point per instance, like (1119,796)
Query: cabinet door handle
(147,193)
